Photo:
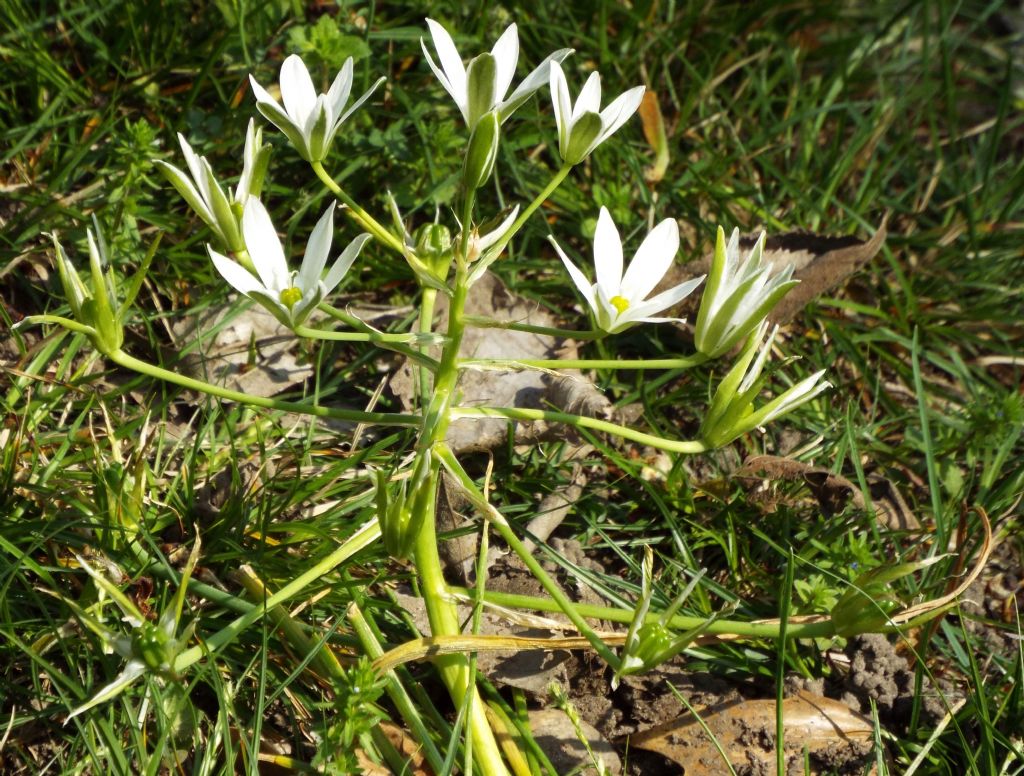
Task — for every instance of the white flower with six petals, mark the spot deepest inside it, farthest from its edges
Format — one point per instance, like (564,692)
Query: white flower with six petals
(289,296)
(481,88)
(619,300)
(309,120)
(584,126)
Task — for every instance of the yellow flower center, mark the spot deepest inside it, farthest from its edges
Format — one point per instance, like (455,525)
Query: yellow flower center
(620,303)
(290,297)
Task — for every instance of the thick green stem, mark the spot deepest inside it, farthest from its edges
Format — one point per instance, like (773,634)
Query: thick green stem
(384,418)
(357,214)
(585,363)
(441,610)
(581,421)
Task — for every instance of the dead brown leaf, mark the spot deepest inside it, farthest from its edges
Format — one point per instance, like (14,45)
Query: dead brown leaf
(829,731)
(822,263)
(832,491)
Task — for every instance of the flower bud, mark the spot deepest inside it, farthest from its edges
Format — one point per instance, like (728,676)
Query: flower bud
(482,153)
(433,242)
(397,526)
(93,306)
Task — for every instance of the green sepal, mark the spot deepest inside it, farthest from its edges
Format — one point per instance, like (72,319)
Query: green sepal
(318,140)
(482,153)
(481,76)
(584,132)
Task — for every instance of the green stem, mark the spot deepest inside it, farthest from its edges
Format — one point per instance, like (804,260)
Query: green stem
(426,326)
(747,630)
(498,247)
(585,363)
(353,336)
(521,413)
(441,610)
(366,535)
(395,690)
(350,320)
(357,214)
(383,418)
(447,457)
(486,323)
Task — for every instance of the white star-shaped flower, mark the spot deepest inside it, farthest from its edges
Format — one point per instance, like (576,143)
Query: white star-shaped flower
(309,120)
(620,300)
(481,88)
(289,296)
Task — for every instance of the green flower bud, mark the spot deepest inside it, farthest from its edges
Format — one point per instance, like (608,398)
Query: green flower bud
(433,242)
(398,527)
(482,153)
(154,647)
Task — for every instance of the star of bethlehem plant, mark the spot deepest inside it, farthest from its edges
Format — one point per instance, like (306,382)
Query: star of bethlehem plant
(448,260)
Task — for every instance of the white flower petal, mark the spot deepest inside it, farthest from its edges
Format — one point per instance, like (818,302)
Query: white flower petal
(341,89)
(297,90)
(620,110)
(344,263)
(264,247)
(652,261)
(539,76)
(506,55)
(195,167)
(666,299)
(485,241)
(451,62)
(355,106)
(589,100)
(607,254)
(238,276)
(562,102)
(578,278)
(317,250)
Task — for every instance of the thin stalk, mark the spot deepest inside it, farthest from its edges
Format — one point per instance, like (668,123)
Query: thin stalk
(498,247)
(354,336)
(737,628)
(586,363)
(357,214)
(350,320)
(480,322)
(121,358)
(447,457)
(691,447)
